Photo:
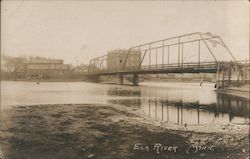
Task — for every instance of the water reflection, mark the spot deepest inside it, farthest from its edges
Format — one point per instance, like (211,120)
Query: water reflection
(225,110)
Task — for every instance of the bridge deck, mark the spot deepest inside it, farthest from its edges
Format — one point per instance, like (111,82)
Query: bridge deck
(206,67)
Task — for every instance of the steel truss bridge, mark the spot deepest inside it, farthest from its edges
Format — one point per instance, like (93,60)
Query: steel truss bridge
(189,53)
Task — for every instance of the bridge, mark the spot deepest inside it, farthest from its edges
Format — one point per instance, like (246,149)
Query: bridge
(190,53)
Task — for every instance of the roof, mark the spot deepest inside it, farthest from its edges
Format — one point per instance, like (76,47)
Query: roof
(45,61)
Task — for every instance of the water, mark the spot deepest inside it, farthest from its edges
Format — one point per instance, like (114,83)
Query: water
(178,103)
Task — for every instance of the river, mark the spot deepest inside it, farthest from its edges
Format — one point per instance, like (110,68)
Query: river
(178,103)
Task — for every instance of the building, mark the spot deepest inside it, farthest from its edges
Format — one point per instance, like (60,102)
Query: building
(44,68)
(116,59)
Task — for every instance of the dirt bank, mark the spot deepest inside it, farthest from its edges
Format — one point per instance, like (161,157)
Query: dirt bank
(242,91)
(99,131)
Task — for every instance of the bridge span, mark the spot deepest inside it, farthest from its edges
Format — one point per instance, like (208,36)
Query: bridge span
(189,53)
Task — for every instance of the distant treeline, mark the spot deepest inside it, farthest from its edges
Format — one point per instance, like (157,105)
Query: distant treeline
(15,64)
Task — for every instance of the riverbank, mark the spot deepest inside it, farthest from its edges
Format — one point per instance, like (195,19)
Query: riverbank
(103,131)
(47,80)
(242,91)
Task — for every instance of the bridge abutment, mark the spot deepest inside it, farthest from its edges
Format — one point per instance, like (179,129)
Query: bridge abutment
(231,75)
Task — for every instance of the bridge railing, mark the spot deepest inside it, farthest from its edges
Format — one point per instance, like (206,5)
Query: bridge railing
(177,66)
(173,66)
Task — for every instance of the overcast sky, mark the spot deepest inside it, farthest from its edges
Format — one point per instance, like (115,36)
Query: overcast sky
(69,29)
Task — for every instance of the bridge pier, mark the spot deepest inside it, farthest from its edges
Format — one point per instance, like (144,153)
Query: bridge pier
(120,77)
(135,79)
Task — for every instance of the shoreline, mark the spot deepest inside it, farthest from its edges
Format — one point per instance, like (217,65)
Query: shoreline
(105,131)
(236,91)
(45,80)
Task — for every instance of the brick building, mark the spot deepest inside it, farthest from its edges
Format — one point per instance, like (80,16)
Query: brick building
(116,59)
(44,68)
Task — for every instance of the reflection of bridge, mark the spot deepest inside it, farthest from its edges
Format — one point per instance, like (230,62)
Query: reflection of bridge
(189,53)
(176,111)
(181,111)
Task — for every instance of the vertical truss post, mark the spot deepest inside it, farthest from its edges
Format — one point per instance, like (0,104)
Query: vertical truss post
(89,65)
(238,77)
(156,57)
(162,54)
(182,47)
(94,65)
(223,76)
(139,65)
(218,76)
(230,73)
(179,49)
(149,56)
(199,53)
(97,64)
(245,73)
(100,65)
(168,56)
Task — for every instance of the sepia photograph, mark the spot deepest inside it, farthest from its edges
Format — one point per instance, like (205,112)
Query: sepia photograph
(122,79)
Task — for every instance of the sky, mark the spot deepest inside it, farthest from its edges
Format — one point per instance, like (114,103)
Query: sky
(83,30)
